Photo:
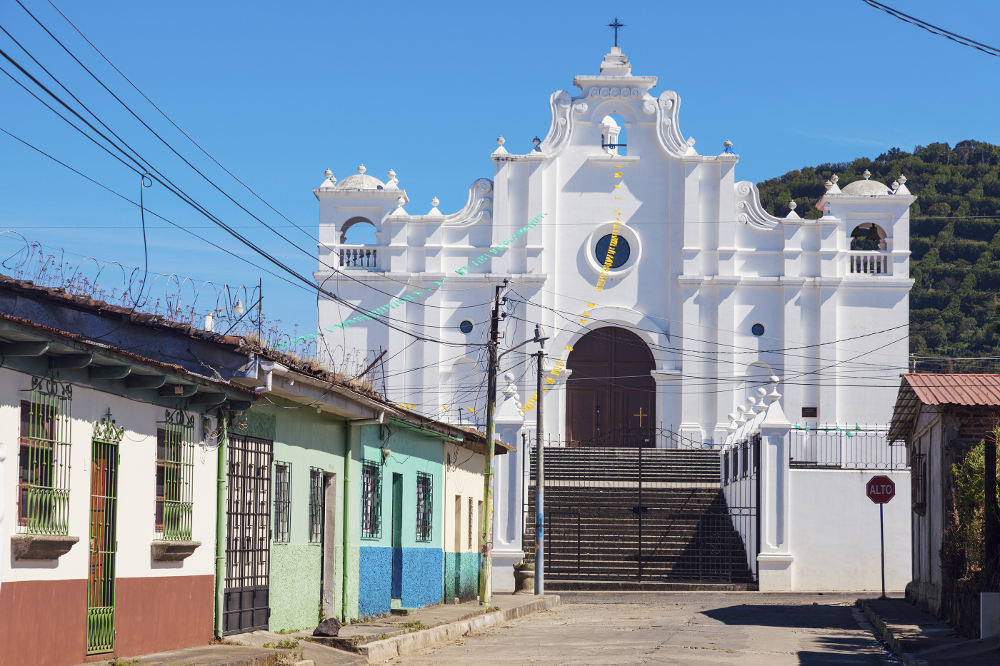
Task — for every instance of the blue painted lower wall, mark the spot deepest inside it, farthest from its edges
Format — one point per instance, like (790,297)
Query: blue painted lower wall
(374,581)
(461,576)
(419,581)
(421,577)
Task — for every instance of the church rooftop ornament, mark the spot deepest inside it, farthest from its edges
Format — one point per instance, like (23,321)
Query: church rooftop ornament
(866,186)
(361,181)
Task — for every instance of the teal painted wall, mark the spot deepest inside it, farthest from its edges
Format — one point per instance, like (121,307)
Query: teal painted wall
(305,440)
(461,576)
(420,563)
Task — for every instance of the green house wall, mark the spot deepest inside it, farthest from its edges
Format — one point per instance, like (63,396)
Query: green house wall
(305,440)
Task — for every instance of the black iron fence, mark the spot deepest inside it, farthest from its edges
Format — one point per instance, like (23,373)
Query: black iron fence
(845,447)
(741,487)
(628,512)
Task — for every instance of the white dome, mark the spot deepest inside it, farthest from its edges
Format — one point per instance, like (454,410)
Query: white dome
(866,187)
(360,181)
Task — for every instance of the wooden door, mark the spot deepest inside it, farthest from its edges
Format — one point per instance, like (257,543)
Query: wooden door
(611,391)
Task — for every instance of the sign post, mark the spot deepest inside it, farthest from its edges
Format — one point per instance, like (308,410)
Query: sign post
(881,489)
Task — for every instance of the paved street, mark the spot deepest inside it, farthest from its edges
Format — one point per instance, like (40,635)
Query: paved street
(675,628)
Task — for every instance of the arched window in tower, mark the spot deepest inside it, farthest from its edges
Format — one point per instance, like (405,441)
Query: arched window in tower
(357,244)
(868,237)
(613,135)
(869,250)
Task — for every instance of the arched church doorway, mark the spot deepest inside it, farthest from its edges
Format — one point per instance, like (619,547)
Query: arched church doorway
(611,396)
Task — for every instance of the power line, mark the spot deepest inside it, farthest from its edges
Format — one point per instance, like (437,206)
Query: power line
(174,189)
(308,253)
(931,28)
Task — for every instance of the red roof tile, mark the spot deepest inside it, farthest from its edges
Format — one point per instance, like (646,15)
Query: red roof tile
(955,389)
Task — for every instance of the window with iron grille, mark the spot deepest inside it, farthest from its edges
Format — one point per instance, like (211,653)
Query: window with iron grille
(315,505)
(756,453)
(725,467)
(745,459)
(282,501)
(919,484)
(733,464)
(174,476)
(425,506)
(44,458)
(371,500)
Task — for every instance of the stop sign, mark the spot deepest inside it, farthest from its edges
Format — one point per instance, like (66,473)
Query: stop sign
(880,489)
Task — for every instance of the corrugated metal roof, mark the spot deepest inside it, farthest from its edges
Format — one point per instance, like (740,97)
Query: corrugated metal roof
(956,389)
(916,389)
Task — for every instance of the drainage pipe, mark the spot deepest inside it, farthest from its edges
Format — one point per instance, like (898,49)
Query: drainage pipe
(220,521)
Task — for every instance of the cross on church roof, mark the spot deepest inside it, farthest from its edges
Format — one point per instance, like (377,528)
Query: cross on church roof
(614,26)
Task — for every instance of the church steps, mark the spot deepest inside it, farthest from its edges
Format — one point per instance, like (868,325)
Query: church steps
(592,528)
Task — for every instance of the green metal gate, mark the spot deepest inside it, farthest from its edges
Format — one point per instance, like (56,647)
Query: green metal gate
(103,539)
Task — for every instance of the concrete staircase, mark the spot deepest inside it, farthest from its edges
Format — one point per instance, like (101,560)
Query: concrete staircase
(593,522)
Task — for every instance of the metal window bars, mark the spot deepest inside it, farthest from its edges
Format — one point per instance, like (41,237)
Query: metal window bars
(175,476)
(282,501)
(315,505)
(425,506)
(44,458)
(248,533)
(371,500)
(103,548)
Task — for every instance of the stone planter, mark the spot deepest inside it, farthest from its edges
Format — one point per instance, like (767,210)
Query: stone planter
(524,579)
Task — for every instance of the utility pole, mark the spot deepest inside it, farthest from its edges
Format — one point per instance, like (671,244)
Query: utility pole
(486,520)
(539,483)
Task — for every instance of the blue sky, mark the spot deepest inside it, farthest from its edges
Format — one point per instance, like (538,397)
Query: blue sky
(279,92)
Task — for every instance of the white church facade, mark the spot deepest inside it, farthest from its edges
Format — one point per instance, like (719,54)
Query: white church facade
(706,297)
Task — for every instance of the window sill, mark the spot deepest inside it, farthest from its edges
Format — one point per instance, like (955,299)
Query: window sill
(172,551)
(40,546)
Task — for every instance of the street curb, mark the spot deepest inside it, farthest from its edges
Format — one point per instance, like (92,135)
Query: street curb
(378,651)
(883,629)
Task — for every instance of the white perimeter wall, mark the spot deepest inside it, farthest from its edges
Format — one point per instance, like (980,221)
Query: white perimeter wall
(834,532)
(136,487)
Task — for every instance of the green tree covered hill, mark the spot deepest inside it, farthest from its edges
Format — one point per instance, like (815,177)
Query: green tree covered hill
(954,236)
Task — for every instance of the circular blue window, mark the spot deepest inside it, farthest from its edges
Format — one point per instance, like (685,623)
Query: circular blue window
(757,329)
(622,251)
(465,326)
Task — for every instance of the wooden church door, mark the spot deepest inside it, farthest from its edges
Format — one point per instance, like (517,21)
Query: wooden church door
(611,394)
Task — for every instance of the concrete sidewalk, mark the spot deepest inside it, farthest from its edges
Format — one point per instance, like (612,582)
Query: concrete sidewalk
(368,642)
(397,635)
(921,639)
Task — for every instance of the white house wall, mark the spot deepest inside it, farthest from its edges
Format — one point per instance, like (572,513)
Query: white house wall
(136,488)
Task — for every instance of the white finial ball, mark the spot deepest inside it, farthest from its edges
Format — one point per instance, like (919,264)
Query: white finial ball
(435,202)
(834,178)
(400,201)
(690,141)
(328,173)
(501,140)
(392,174)
(727,144)
(828,184)
(867,174)
(902,179)
(792,205)
(895,184)
(362,168)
